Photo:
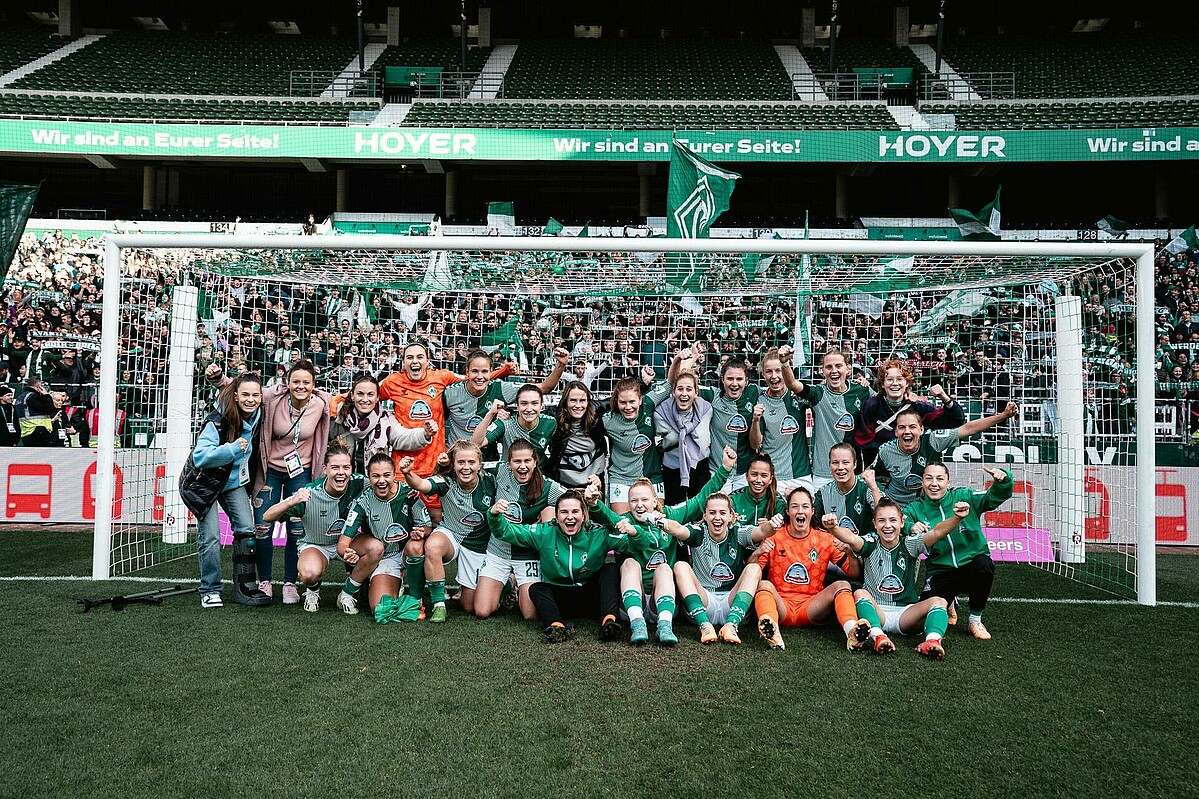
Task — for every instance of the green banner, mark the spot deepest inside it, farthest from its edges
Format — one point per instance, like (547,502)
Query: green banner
(486,144)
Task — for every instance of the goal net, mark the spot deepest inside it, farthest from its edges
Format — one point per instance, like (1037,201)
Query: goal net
(991,323)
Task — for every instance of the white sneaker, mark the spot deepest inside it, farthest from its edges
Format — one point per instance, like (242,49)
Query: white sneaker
(290,595)
(265,587)
(312,601)
(348,603)
(212,600)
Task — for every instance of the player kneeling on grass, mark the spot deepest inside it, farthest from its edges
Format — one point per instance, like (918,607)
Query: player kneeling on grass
(961,562)
(718,571)
(652,547)
(890,599)
(321,506)
(792,592)
(383,526)
(575,579)
(466,495)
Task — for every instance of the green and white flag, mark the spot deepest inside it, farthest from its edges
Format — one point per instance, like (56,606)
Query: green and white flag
(1112,228)
(958,303)
(1186,240)
(501,216)
(983,226)
(16,204)
(698,193)
(585,231)
(553,228)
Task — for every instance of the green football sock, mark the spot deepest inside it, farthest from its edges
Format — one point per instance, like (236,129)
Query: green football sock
(631,601)
(437,591)
(414,576)
(867,611)
(350,586)
(695,608)
(936,623)
(740,607)
(665,605)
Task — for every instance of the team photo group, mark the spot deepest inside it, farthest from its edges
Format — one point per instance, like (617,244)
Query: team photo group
(762,498)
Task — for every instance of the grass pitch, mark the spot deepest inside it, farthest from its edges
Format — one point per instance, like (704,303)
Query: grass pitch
(175,701)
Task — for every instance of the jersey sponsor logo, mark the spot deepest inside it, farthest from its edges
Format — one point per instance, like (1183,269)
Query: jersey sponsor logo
(473,519)
(891,585)
(797,575)
(641,442)
(420,411)
(913,482)
(848,524)
(395,533)
(514,512)
(737,424)
(655,560)
(335,529)
(845,423)
(722,573)
(473,423)
(789,426)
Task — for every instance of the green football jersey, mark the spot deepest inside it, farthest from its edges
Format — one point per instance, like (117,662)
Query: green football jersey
(892,575)
(464,513)
(900,475)
(464,411)
(730,425)
(323,515)
(753,510)
(505,432)
(832,420)
(632,450)
(520,510)
(855,510)
(785,435)
(389,520)
(718,564)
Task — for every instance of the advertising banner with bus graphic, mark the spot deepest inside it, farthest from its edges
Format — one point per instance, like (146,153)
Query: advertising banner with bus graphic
(57,486)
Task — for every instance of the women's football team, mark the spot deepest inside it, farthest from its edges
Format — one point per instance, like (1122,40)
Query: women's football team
(672,493)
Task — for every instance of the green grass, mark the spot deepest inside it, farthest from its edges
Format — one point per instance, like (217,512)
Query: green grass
(172,701)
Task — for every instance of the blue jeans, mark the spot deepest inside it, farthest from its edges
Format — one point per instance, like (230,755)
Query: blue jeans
(279,485)
(236,504)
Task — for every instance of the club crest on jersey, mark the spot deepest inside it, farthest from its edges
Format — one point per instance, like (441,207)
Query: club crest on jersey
(335,529)
(641,442)
(891,585)
(514,512)
(848,524)
(420,411)
(432,391)
(474,423)
(789,426)
(796,575)
(845,423)
(473,519)
(737,424)
(395,533)
(722,573)
(913,481)
(655,560)
(922,461)
(857,507)
(813,556)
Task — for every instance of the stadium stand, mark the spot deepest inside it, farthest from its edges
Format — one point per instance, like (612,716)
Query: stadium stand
(863,54)
(773,116)
(618,69)
(169,109)
(1158,112)
(432,52)
(170,62)
(21,45)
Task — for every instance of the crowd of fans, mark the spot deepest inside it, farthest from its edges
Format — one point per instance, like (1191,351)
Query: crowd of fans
(50,332)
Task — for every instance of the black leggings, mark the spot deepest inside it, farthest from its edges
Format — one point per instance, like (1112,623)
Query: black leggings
(598,597)
(973,579)
(677,493)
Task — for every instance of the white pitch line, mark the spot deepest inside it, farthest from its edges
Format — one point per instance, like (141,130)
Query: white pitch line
(68,578)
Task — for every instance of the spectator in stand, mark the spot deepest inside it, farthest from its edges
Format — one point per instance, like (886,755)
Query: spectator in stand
(10,431)
(42,420)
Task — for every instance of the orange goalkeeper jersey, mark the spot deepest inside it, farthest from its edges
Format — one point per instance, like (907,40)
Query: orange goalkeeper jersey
(796,566)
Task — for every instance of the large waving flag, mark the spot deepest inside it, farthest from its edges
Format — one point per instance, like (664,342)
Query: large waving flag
(501,216)
(698,193)
(1186,240)
(16,203)
(983,226)
(1112,228)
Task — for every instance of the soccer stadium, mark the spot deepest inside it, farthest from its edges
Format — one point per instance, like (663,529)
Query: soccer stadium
(578,385)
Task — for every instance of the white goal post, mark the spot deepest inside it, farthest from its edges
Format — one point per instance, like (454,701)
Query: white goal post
(1070,350)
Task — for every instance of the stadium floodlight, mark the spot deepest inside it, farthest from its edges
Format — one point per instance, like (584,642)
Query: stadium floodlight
(1097,519)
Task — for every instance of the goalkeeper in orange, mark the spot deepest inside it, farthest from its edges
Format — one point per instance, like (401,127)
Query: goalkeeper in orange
(792,592)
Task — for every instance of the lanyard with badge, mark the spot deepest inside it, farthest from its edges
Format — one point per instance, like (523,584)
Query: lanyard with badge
(292,459)
(10,420)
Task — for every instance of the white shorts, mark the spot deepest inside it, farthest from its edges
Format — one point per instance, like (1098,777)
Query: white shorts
(718,607)
(619,492)
(328,550)
(500,569)
(785,487)
(890,615)
(470,563)
(391,566)
(734,482)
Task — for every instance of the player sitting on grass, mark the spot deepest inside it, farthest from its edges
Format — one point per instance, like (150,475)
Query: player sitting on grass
(653,544)
(393,522)
(466,494)
(890,599)
(792,592)
(961,562)
(321,506)
(718,571)
(574,580)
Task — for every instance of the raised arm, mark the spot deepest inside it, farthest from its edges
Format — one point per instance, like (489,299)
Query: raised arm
(413,480)
(562,358)
(987,422)
(479,435)
(756,426)
(691,510)
(789,378)
(946,526)
(842,534)
(868,478)
(279,510)
(1001,489)
(507,530)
